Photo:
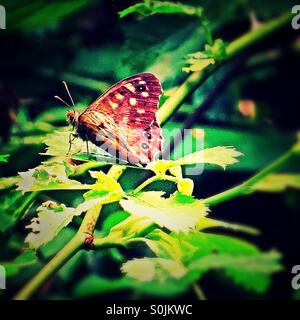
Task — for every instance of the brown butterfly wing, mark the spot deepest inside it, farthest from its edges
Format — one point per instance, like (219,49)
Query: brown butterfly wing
(131,106)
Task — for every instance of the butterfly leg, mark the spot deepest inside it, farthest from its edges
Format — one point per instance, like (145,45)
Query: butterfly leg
(87,146)
(72,137)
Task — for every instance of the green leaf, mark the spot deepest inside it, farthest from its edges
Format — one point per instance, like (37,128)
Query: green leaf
(94,285)
(165,7)
(6,221)
(199,253)
(221,156)
(185,186)
(113,219)
(49,176)
(252,272)
(278,182)
(206,223)
(167,246)
(4,158)
(153,269)
(24,260)
(105,182)
(7,183)
(177,213)
(51,248)
(200,60)
(240,260)
(129,228)
(27,15)
(51,219)
(58,144)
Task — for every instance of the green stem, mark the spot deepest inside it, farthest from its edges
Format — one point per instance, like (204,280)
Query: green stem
(198,291)
(254,36)
(145,184)
(153,179)
(246,187)
(75,244)
(235,47)
(55,264)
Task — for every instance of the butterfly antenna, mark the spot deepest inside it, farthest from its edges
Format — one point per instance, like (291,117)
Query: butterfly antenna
(69,94)
(61,100)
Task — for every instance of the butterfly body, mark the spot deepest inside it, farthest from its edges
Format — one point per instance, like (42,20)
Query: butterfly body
(123,121)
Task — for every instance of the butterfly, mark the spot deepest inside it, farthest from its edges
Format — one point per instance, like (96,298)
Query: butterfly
(122,121)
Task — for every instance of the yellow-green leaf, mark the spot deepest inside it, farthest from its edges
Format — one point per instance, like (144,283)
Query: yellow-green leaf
(153,269)
(177,213)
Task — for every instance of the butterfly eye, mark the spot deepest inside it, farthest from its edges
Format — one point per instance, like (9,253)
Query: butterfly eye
(141,88)
(147,135)
(145,145)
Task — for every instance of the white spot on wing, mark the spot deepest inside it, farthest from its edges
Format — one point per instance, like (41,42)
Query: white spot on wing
(119,96)
(130,87)
(142,82)
(113,104)
(132,101)
(140,111)
(145,94)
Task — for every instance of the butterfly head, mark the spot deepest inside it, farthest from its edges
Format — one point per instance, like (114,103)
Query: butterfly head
(72,117)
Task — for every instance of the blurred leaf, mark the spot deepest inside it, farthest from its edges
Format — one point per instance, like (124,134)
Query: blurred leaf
(179,212)
(251,272)
(153,269)
(199,253)
(4,158)
(94,285)
(6,221)
(26,15)
(278,182)
(24,260)
(212,53)
(7,183)
(166,246)
(151,7)
(212,223)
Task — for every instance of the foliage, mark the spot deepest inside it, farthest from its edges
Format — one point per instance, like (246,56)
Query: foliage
(149,7)
(154,232)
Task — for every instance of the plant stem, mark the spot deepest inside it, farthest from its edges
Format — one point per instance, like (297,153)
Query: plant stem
(145,184)
(246,187)
(235,47)
(198,291)
(55,264)
(73,246)
(153,179)
(254,36)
